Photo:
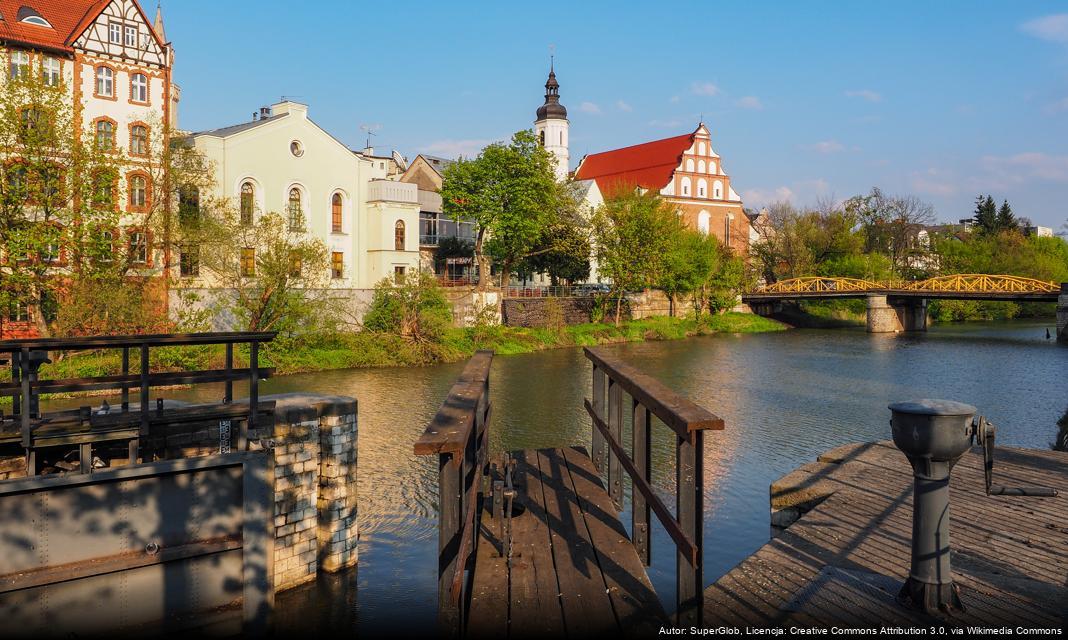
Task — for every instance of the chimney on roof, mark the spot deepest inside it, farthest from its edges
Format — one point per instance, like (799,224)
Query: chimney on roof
(265,112)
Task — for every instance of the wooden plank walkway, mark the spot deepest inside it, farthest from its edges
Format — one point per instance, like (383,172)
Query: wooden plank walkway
(574,571)
(843,561)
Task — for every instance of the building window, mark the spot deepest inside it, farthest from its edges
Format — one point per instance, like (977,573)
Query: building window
(139,140)
(703,220)
(104,190)
(296,264)
(138,191)
(139,247)
(18,312)
(727,231)
(139,88)
(248,262)
(20,64)
(702,188)
(296,213)
(106,245)
(115,33)
(189,260)
(398,236)
(188,205)
(335,213)
(541,138)
(105,82)
(51,251)
(30,120)
(398,275)
(685,186)
(131,36)
(337,265)
(248,202)
(105,135)
(51,71)
(717,190)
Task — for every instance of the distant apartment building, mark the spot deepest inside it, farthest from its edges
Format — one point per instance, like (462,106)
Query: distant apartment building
(282,162)
(426,172)
(1039,232)
(117,66)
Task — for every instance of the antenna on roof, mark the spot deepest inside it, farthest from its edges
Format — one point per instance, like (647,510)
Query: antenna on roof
(288,98)
(370,130)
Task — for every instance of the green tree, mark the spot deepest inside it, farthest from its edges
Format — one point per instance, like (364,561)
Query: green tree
(562,251)
(985,216)
(510,192)
(1006,220)
(632,235)
(894,226)
(414,308)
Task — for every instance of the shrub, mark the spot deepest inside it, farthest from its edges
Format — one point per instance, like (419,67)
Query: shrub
(414,308)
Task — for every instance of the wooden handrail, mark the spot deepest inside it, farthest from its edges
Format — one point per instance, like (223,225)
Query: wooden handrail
(450,429)
(688,421)
(674,410)
(153,340)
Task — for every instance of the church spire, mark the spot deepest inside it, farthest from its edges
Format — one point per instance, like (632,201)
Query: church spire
(158,26)
(552,109)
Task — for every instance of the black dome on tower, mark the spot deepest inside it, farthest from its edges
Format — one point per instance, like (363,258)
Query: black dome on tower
(552,109)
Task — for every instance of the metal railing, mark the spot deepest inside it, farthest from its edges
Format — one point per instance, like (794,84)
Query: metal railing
(457,436)
(611,379)
(573,291)
(959,282)
(84,426)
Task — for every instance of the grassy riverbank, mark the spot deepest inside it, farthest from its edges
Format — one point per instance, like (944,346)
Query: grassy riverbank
(370,349)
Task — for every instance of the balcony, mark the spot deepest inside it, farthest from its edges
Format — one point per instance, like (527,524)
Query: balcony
(391,191)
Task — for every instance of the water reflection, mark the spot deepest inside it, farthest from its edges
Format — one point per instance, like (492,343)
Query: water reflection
(785,397)
(1061,443)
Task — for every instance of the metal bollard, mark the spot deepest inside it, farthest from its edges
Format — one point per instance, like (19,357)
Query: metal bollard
(933,435)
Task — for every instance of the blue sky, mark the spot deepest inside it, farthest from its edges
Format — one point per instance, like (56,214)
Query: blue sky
(943,100)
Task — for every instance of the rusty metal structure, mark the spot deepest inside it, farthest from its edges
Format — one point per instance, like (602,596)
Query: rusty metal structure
(88,427)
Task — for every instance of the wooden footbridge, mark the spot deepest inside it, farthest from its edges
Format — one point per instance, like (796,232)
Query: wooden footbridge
(532,543)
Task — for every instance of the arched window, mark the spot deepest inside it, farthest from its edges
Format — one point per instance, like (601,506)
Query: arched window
(689,165)
(541,138)
(296,213)
(248,202)
(335,213)
(702,188)
(700,166)
(717,190)
(105,135)
(139,87)
(685,186)
(104,190)
(29,15)
(139,140)
(711,166)
(703,222)
(398,235)
(105,82)
(138,192)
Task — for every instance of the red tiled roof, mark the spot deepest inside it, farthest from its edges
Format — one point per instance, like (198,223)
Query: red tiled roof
(69,18)
(649,165)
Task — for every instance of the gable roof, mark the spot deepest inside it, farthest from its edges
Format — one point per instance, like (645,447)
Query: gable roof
(649,165)
(69,19)
(224,132)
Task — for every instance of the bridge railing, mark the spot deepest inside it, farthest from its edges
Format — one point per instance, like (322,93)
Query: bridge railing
(457,436)
(649,397)
(960,282)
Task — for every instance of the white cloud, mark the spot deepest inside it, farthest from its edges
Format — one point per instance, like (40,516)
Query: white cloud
(827,146)
(623,106)
(750,102)
(761,197)
(866,94)
(1053,28)
(589,107)
(1029,165)
(450,148)
(674,99)
(1057,106)
(704,89)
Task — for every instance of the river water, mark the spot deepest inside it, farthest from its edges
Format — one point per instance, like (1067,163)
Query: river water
(786,397)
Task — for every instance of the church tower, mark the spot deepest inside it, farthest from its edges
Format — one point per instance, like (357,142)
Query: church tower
(551,127)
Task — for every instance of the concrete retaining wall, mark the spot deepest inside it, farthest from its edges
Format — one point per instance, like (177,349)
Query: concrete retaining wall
(546,312)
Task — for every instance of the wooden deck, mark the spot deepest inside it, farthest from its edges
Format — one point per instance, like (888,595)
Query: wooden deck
(843,561)
(574,571)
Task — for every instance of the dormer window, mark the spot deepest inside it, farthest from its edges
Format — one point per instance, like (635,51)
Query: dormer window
(30,16)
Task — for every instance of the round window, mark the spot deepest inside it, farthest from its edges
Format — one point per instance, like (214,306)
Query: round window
(296,148)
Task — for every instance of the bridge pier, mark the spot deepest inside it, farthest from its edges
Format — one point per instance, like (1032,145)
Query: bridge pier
(1062,314)
(893,315)
(766,308)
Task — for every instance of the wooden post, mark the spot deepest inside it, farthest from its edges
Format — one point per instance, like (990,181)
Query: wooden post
(597,450)
(615,427)
(253,396)
(144,402)
(639,507)
(449,514)
(229,397)
(688,494)
(16,398)
(125,385)
(24,377)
